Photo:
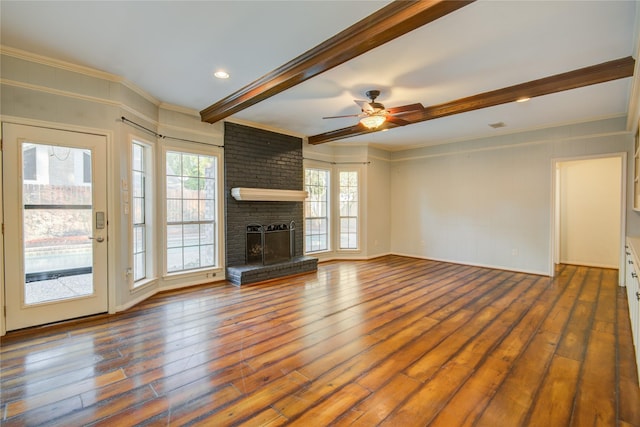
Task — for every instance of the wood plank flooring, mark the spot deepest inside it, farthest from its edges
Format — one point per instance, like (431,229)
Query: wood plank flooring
(392,342)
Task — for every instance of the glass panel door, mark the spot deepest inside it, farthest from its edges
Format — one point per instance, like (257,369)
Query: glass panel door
(55,193)
(57,222)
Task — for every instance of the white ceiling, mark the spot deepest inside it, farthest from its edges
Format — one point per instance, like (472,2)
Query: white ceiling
(171,48)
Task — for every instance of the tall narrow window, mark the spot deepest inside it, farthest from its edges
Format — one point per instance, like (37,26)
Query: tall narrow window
(348,194)
(139,212)
(190,211)
(316,210)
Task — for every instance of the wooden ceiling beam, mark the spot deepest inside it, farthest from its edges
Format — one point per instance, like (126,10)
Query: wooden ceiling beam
(601,73)
(388,23)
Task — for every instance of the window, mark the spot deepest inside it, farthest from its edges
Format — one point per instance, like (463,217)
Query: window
(332,211)
(191,208)
(316,210)
(348,194)
(140,165)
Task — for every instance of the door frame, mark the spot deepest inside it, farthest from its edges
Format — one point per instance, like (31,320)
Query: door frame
(113,224)
(553,241)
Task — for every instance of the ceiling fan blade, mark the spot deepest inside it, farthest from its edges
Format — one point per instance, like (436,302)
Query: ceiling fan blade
(405,108)
(397,121)
(339,117)
(365,106)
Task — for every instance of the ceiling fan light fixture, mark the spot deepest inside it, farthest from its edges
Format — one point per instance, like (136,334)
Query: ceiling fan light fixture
(221,74)
(373,121)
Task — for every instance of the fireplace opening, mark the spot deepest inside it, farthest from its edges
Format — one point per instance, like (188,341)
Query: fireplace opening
(270,244)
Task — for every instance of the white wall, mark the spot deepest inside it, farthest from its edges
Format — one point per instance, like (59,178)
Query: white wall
(484,208)
(589,212)
(488,202)
(378,206)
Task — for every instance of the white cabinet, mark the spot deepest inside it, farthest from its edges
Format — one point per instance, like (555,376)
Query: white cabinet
(632,268)
(633,292)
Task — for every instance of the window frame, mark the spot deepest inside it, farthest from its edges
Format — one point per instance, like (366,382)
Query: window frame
(218,258)
(150,192)
(333,210)
(339,216)
(328,209)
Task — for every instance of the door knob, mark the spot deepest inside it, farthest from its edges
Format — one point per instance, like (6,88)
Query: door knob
(98,239)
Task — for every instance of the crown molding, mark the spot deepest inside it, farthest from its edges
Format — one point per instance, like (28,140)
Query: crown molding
(458,151)
(75,95)
(75,68)
(102,75)
(264,127)
(503,132)
(179,109)
(63,65)
(111,103)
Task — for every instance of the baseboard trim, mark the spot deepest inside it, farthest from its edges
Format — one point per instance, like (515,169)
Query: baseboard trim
(472,264)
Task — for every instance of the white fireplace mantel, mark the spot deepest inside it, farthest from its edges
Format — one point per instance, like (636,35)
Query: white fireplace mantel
(268,195)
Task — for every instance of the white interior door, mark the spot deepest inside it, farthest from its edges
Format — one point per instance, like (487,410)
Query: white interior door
(55,207)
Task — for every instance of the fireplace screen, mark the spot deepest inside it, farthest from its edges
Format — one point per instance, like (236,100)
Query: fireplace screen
(270,244)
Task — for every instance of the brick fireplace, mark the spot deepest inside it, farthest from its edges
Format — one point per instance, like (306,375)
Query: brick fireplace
(256,158)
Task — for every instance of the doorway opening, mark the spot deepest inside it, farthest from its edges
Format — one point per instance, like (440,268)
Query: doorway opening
(589,211)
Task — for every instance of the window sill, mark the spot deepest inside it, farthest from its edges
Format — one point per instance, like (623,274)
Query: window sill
(317,252)
(142,284)
(209,272)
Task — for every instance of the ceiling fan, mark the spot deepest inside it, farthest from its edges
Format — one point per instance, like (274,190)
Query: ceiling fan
(374,114)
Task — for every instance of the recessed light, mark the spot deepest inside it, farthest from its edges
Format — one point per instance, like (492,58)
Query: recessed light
(523,99)
(220,74)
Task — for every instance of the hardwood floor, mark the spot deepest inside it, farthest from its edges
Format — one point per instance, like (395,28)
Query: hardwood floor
(393,341)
